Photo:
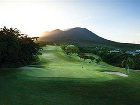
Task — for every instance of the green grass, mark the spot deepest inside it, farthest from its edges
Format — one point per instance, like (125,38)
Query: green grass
(63,80)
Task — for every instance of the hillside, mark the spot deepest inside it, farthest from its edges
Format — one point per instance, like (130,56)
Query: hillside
(82,36)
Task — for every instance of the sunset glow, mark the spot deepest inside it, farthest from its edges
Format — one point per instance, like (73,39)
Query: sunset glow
(117,20)
(30,18)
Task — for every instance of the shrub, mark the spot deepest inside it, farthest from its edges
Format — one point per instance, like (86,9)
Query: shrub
(70,49)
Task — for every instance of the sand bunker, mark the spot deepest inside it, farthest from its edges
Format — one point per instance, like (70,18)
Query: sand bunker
(117,73)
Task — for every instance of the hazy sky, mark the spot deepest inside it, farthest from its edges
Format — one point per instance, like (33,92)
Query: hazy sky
(117,20)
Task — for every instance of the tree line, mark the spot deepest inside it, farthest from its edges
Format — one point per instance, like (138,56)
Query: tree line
(119,58)
(73,49)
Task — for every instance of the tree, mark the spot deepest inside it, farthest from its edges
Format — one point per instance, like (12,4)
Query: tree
(98,60)
(127,62)
(63,47)
(17,49)
(70,49)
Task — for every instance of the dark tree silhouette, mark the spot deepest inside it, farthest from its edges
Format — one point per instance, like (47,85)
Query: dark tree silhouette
(17,49)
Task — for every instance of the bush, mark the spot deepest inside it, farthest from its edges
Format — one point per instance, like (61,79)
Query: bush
(70,49)
(98,60)
(17,49)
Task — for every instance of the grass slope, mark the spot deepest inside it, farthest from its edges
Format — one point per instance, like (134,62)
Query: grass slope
(63,80)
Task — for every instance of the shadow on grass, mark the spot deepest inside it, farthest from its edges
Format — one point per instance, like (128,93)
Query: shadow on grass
(37,66)
(68,91)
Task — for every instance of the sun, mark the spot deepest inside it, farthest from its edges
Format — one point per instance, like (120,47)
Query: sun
(30,18)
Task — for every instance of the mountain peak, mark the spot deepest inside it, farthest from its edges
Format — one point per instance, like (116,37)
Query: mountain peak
(57,30)
(76,34)
(78,28)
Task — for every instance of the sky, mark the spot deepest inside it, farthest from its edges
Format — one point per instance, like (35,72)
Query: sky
(117,20)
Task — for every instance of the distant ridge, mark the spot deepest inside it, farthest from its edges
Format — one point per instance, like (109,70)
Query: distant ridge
(82,36)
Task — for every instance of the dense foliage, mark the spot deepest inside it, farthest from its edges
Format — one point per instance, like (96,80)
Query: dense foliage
(115,57)
(70,49)
(17,49)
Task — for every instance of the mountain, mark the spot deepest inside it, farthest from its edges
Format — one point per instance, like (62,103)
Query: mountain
(82,36)
(75,35)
